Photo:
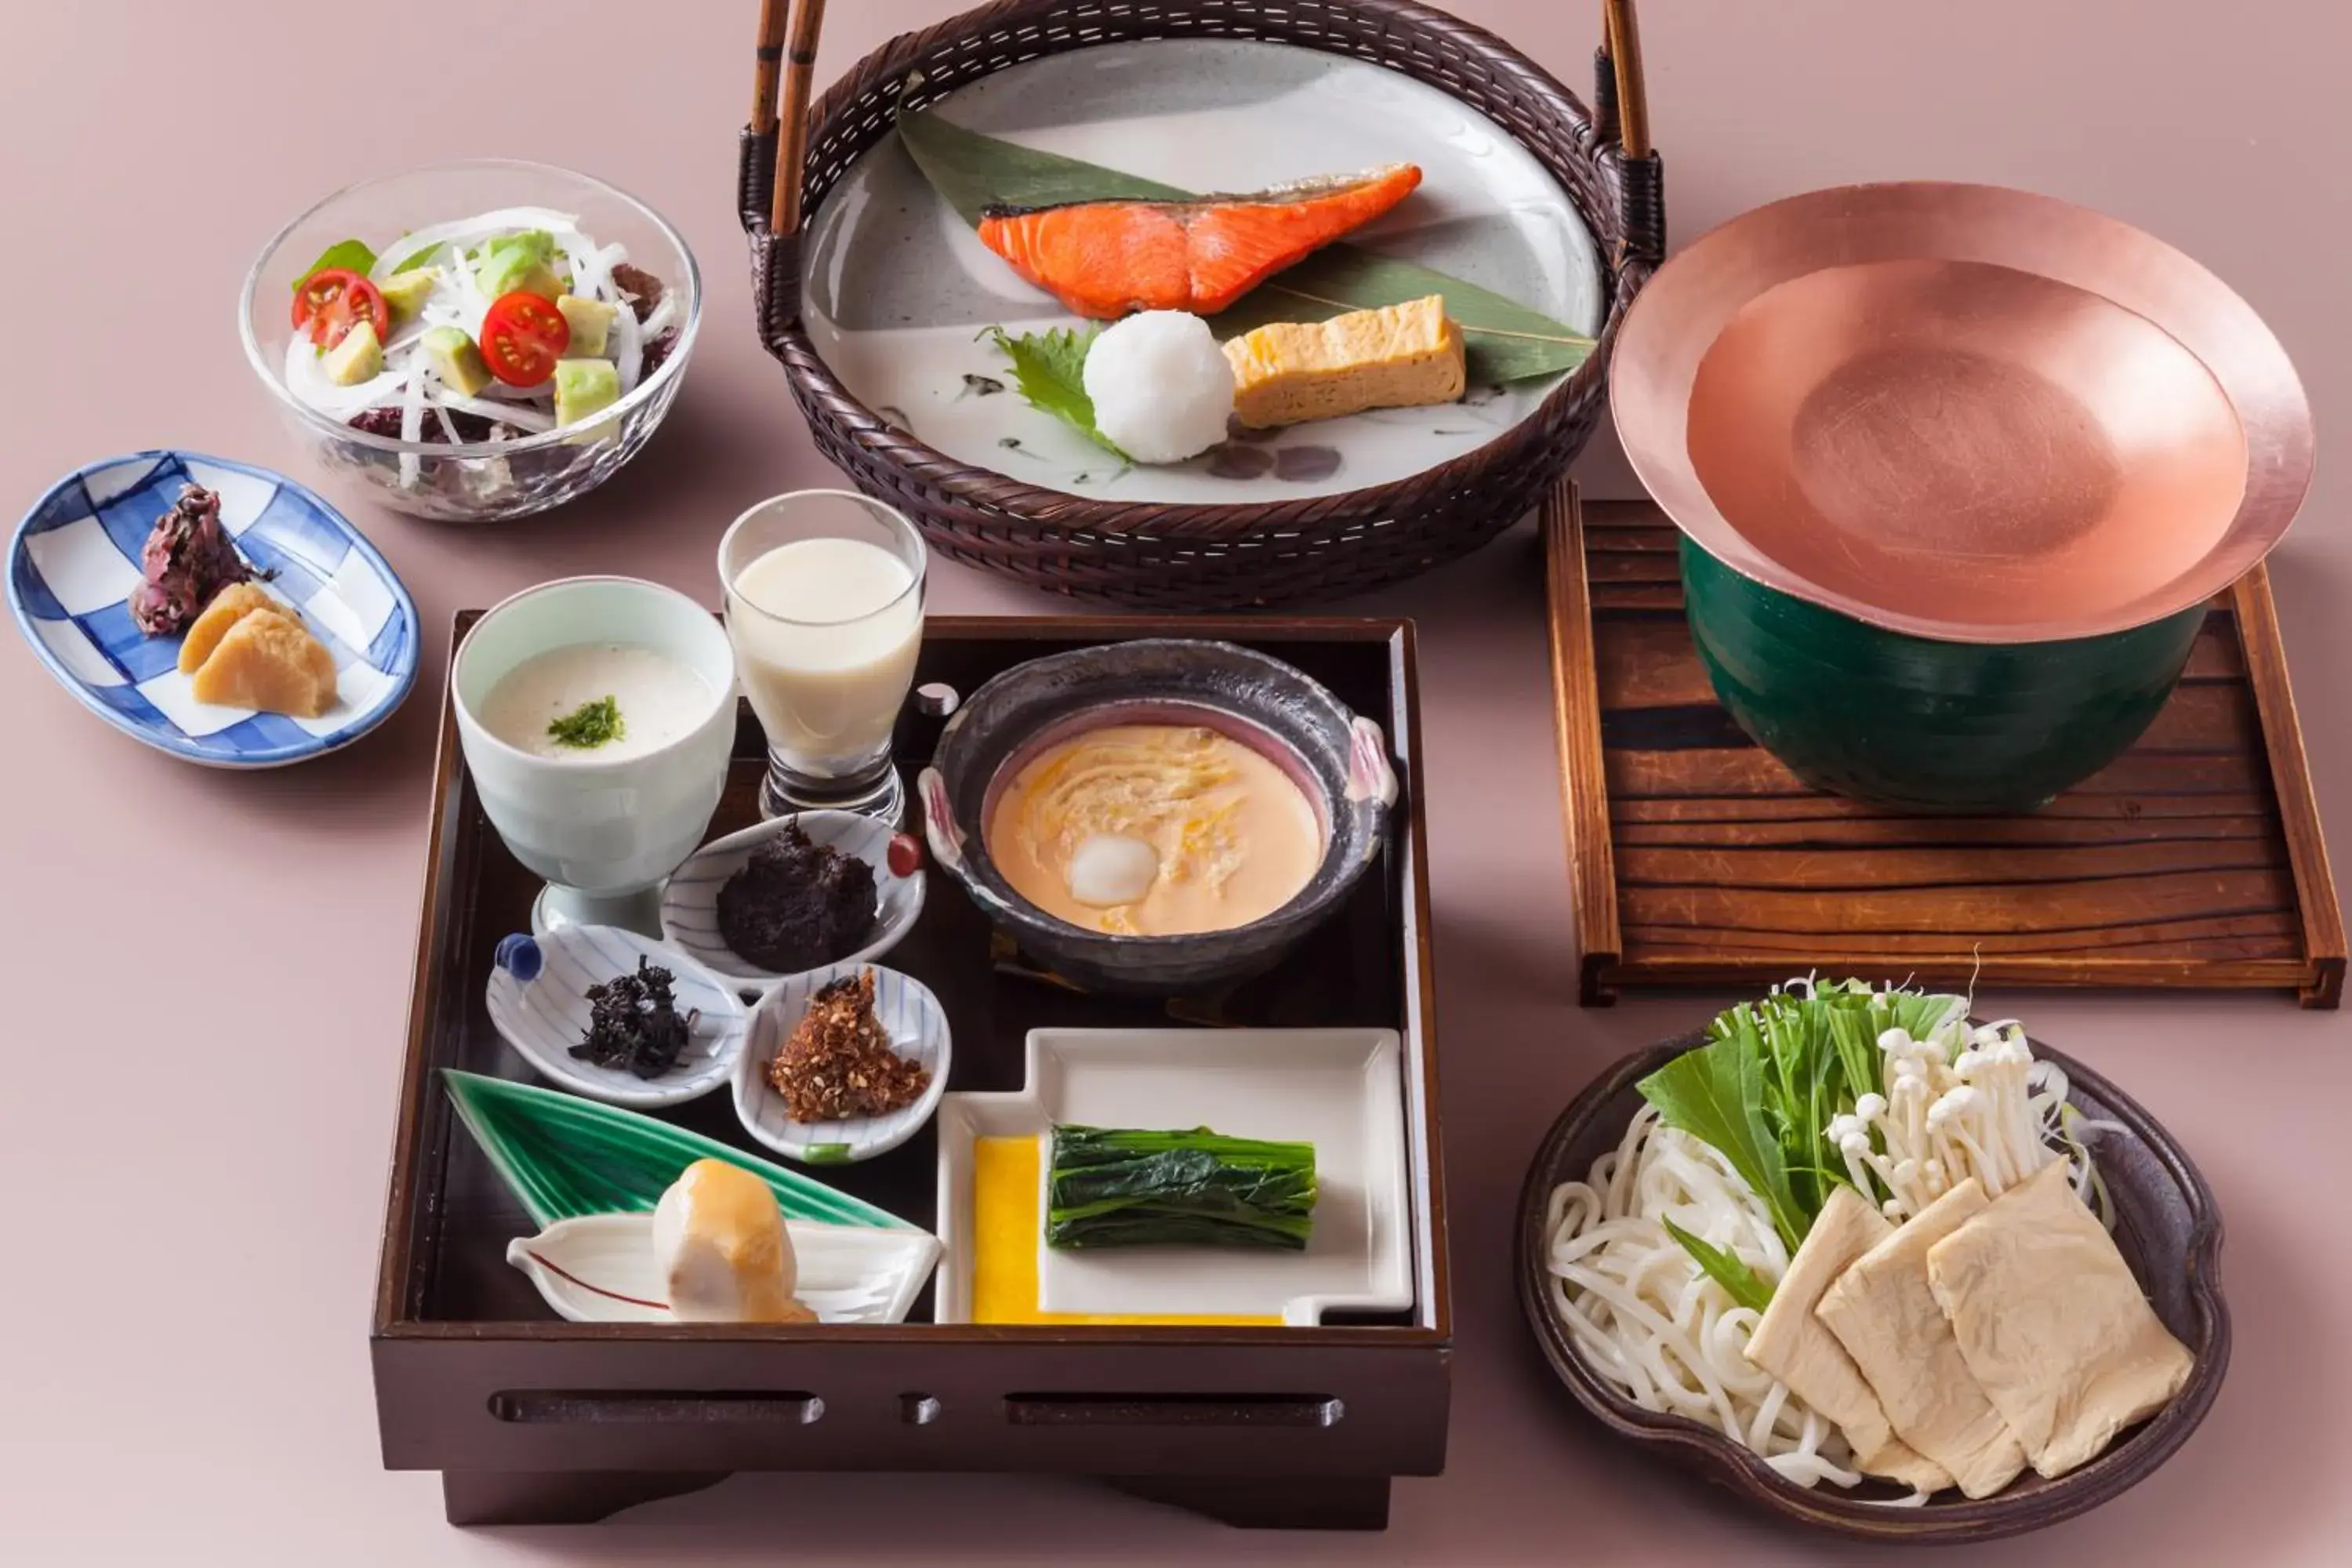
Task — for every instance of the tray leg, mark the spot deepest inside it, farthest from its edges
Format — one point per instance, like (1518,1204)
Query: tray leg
(1270,1502)
(523,1497)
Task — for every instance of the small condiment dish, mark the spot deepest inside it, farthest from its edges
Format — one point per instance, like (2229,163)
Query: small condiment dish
(600,1268)
(689,907)
(538,998)
(918,1027)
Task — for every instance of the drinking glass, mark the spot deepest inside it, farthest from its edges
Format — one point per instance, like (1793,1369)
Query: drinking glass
(824,609)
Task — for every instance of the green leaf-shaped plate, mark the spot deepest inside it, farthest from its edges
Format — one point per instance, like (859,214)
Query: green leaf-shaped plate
(565,1157)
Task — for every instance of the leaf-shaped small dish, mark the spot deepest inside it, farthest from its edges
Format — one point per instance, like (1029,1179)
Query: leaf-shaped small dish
(689,909)
(918,1027)
(538,997)
(565,1157)
(600,1268)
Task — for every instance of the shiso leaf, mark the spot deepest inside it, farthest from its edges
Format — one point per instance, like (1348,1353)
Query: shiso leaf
(1050,368)
(565,1157)
(1505,340)
(1747,1286)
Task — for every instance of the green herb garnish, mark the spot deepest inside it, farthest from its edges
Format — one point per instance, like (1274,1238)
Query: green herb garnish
(590,725)
(1115,1188)
(1050,369)
(1747,1287)
(352,255)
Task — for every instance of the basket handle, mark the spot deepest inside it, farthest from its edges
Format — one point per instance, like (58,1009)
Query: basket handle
(1621,47)
(788,37)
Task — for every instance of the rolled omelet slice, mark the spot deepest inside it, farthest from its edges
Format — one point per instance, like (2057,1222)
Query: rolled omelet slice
(1400,356)
(267,661)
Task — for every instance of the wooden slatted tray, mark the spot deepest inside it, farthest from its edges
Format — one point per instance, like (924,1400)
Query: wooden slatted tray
(1696,858)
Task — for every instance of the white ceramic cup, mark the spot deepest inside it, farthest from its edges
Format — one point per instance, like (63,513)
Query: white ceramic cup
(605,833)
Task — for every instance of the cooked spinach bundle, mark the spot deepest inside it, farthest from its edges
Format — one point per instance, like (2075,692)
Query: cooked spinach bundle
(1115,1188)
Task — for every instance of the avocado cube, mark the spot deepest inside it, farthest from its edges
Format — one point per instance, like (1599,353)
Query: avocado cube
(405,293)
(519,261)
(358,358)
(456,360)
(584,387)
(590,320)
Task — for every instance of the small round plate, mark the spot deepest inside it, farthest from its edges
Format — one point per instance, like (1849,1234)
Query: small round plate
(918,1027)
(538,999)
(899,288)
(690,906)
(2167,1228)
(75,559)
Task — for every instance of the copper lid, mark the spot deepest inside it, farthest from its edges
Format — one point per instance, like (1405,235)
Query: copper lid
(1961,412)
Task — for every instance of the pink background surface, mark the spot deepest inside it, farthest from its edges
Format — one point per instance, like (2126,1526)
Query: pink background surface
(209,973)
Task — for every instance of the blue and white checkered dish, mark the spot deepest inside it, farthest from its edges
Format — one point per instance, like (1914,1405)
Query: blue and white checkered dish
(74,560)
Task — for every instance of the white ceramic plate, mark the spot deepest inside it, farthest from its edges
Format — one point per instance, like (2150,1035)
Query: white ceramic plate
(896,285)
(848,1273)
(1340,1089)
(543,1011)
(689,909)
(917,1029)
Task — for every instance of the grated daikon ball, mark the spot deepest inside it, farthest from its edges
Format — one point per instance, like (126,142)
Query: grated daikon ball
(1160,385)
(1108,868)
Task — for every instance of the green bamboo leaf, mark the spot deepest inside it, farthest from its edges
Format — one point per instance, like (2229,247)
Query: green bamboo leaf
(565,1157)
(1505,340)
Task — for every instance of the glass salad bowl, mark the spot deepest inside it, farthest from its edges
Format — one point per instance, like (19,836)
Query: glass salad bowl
(448,436)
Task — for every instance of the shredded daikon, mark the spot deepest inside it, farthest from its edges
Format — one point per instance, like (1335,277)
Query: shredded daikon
(1648,1319)
(452,252)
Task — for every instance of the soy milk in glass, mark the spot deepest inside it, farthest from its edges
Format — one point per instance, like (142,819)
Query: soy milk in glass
(824,609)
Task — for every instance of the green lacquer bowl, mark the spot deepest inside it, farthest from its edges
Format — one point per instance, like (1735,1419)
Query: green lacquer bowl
(1920,725)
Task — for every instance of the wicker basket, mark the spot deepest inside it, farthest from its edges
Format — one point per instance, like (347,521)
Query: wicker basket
(1180,557)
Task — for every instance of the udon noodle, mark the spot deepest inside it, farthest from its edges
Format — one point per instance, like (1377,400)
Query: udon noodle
(1648,1319)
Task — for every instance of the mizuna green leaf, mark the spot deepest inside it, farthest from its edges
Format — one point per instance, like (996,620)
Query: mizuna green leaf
(1747,1286)
(1505,340)
(1716,1094)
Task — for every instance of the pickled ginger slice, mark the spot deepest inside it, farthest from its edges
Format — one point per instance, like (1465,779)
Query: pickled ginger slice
(2052,1324)
(230,605)
(267,662)
(1103,260)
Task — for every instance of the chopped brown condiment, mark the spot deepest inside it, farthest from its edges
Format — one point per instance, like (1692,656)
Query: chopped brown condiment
(838,1063)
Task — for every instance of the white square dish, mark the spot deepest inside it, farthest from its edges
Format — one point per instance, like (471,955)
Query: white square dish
(1340,1090)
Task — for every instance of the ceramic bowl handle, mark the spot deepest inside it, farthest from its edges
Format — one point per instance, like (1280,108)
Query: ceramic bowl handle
(939,820)
(1370,774)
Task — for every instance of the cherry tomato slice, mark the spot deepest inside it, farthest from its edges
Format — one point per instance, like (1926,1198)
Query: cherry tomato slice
(334,300)
(523,337)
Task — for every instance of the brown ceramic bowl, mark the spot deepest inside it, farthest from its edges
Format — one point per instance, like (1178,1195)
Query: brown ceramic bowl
(2167,1228)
